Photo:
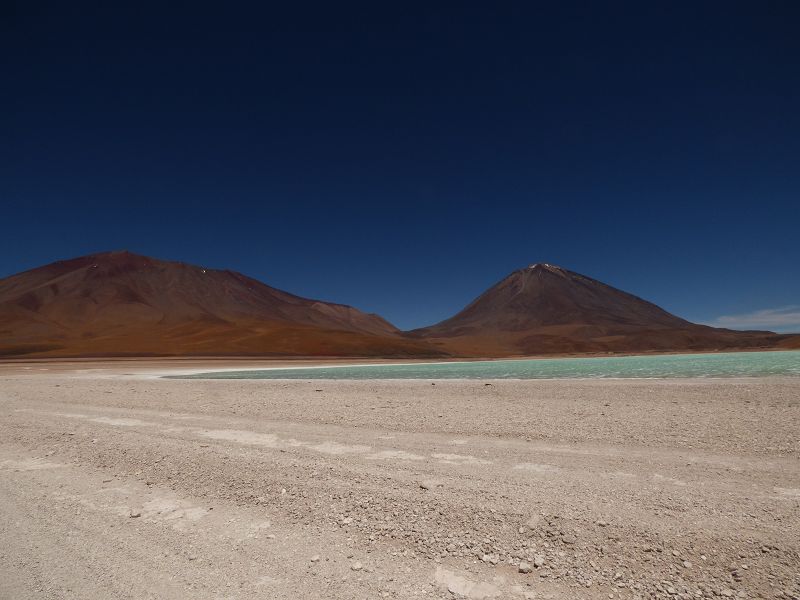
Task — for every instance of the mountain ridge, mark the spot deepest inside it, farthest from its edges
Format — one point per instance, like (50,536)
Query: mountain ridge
(120,303)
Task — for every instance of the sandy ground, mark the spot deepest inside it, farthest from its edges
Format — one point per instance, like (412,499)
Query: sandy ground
(115,485)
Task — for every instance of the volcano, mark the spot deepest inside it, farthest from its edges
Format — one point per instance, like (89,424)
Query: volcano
(546,309)
(120,303)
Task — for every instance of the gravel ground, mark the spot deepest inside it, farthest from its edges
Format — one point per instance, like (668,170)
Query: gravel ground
(115,484)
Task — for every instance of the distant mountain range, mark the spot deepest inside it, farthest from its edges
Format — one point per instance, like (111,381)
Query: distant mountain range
(123,304)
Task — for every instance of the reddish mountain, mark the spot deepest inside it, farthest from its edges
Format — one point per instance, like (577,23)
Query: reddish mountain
(118,303)
(546,309)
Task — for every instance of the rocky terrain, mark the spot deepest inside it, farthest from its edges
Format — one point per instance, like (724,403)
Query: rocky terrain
(115,484)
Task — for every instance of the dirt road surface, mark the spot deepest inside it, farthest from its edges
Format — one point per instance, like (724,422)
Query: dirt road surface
(116,484)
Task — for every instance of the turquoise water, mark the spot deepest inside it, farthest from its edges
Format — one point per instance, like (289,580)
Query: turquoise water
(732,364)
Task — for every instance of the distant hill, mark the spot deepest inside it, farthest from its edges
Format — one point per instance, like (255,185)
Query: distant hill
(545,309)
(119,303)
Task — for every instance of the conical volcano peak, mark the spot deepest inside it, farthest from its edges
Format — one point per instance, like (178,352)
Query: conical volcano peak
(545,299)
(545,267)
(540,269)
(545,308)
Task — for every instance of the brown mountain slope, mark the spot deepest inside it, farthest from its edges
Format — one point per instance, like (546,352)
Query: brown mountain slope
(546,309)
(118,303)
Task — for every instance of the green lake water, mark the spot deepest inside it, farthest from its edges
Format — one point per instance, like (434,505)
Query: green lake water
(730,364)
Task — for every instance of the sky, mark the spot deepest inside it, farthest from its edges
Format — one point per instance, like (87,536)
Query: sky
(403,157)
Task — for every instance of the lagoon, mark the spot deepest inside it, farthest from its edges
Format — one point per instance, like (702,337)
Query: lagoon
(728,364)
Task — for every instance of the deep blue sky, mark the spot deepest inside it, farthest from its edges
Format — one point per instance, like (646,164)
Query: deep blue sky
(402,157)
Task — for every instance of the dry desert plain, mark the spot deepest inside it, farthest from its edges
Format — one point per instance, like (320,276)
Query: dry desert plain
(115,483)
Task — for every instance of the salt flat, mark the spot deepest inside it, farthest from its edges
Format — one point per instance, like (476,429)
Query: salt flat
(117,484)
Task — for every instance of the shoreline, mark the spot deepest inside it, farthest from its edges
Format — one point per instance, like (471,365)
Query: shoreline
(371,359)
(194,368)
(376,359)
